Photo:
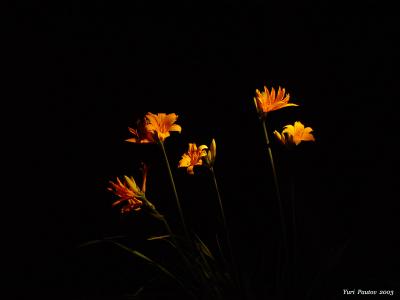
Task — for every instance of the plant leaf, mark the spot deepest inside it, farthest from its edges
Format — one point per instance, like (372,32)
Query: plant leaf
(90,243)
(161,237)
(152,262)
(203,247)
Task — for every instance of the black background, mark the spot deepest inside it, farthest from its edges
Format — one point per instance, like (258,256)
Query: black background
(78,74)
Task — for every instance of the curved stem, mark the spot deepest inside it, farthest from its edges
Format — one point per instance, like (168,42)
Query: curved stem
(178,203)
(159,217)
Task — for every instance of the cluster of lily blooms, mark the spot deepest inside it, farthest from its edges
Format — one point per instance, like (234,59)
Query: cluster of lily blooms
(155,128)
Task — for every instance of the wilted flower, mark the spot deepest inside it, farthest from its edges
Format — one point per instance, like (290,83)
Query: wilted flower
(267,101)
(161,124)
(295,134)
(129,193)
(193,157)
(211,154)
(141,134)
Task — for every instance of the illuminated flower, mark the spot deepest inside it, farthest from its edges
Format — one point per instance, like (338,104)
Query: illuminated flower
(130,195)
(267,101)
(295,134)
(161,124)
(211,153)
(193,157)
(141,134)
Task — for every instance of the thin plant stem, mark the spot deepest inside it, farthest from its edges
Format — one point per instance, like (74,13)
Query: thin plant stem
(175,242)
(221,207)
(178,203)
(294,274)
(277,191)
(226,228)
(169,230)
(294,235)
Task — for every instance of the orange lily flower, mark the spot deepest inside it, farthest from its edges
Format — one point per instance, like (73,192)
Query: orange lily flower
(295,134)
(141,134)
(193,157)
(267,101)
(161,124)
(129,193)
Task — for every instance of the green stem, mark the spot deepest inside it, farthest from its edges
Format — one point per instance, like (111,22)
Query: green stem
(294,233)
(159,216)
(169,230)
(220,202)
(277,191)
(292,159)
(227,234)
(178,203)
(159,266)
(174,242)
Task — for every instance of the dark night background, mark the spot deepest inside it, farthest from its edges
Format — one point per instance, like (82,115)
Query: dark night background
(80,73)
